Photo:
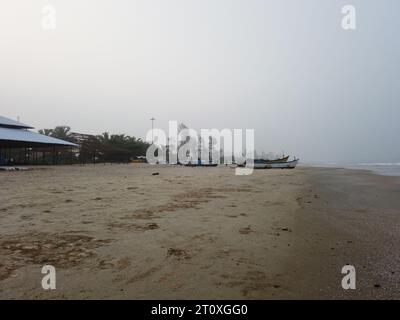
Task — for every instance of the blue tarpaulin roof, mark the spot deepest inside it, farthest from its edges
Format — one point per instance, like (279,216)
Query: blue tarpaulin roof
(6,122)
(22,135)
(15,134)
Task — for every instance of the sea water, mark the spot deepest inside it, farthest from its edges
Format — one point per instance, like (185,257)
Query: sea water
(386,169)
(382,168)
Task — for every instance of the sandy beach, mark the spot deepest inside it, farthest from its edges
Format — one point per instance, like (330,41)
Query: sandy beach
(120,232)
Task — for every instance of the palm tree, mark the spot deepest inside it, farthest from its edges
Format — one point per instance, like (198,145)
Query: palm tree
(46,132)
(104,137)
(61,132)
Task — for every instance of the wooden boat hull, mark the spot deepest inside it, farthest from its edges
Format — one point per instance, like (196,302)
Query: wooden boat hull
(265,164)
(283,165)
(284,159)
(260,166)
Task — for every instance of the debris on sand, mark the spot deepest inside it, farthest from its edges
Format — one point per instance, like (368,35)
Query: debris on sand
(178,253)
(246,230)
(133,226)
(61,250)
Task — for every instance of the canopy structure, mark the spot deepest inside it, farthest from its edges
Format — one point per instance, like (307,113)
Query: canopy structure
(14,134)
(9,123)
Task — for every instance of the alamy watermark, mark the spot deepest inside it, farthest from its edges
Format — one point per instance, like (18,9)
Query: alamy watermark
(49,17)
(349,280)
(49,280)
(349,19)
(183,145)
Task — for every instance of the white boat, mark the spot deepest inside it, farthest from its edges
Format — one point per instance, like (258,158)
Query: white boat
(267,164)
(259,164)
(283,165)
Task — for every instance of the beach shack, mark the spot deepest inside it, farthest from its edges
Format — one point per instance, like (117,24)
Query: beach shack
(20,145)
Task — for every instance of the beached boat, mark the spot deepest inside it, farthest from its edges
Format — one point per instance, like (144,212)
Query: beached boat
(273,164)
(284,159)
(260,164)
(256,165)
(283,165)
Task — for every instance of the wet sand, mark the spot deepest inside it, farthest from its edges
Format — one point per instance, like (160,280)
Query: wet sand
(119,232)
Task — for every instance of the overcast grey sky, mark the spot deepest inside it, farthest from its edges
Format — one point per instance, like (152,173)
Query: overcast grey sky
(283,67)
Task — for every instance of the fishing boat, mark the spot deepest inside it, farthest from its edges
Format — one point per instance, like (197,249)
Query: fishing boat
(283,159)
(283,165)
(260,164)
